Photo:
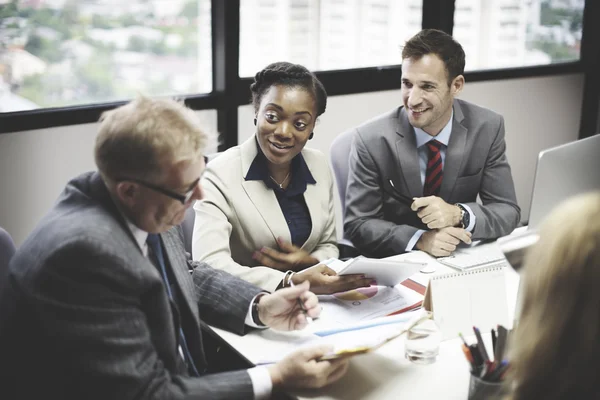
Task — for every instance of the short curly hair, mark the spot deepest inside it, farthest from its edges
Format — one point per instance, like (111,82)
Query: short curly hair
(289,75)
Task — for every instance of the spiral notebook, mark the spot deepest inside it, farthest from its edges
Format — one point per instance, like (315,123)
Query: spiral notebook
(483,255)
(462,300)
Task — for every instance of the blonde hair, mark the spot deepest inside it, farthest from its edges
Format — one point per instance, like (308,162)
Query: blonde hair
(556,346)
(135,139)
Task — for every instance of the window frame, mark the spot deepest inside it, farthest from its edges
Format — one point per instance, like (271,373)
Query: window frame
(230,91)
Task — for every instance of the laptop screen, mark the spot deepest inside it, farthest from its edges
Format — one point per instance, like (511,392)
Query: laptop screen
(562,172)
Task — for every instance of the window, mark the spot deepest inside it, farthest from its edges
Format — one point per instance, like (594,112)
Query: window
(515,33)
(333,34)
(56,53)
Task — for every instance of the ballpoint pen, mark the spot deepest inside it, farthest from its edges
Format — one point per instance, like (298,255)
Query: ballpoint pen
(404,199)
(480,345)
(301,304)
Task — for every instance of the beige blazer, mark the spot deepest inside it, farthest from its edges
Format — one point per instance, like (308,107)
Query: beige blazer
(237,217)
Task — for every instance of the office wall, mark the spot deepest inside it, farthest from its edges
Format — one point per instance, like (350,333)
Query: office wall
(540,112)
(35,166)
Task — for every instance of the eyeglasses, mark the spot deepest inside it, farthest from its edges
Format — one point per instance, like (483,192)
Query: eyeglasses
(183,198)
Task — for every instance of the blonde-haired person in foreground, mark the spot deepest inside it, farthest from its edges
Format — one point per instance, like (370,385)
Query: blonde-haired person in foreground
(555,348)
(104,303)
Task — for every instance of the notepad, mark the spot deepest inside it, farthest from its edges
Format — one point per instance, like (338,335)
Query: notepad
(385,272)
(484,255)
(462,300)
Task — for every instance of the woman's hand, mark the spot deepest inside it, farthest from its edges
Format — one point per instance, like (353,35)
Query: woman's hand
(288,257)
(324,280)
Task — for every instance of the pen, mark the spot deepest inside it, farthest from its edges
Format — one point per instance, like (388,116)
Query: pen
(494,344)
(501,343)
(498,373)
(469,356)
(480,345)
(308,319)
(476,356)
(404,199)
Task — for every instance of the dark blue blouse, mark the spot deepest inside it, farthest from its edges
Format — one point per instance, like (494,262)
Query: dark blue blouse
(291,200)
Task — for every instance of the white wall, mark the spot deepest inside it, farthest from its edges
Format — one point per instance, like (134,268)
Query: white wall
(35,166)
(539,112)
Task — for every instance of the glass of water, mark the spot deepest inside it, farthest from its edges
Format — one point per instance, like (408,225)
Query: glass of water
(422,343)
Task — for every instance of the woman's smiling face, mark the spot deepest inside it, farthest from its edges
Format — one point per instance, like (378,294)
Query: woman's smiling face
(285,119)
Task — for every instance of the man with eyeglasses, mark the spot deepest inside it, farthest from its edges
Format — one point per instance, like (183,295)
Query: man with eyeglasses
(99,302)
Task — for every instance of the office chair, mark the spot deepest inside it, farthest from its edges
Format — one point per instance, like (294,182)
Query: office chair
(338,156)
(190,215)
(188,228)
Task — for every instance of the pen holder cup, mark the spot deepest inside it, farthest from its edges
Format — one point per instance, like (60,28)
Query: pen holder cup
(483,390)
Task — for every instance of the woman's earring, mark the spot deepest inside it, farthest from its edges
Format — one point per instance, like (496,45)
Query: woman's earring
(311,135)
(254,121)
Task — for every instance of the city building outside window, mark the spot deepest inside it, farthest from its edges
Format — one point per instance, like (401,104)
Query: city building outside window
(56,53)
(325,34)
(516,33)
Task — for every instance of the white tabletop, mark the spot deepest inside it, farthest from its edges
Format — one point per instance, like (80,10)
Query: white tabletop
(384,374)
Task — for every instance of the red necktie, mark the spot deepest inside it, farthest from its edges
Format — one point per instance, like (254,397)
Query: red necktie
(434,173)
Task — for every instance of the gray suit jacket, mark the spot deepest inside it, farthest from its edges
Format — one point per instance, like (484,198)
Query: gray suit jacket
(92,319)
(385,148)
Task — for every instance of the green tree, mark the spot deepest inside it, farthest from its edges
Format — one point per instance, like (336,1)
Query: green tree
(558,52)
(101,22)
(70,12)
(190,10)
(138,44)
(96,76)
(33,89)
(47,50)
(9,10)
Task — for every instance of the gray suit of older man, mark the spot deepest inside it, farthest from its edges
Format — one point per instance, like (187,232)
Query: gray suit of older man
(90,317)
(384,149)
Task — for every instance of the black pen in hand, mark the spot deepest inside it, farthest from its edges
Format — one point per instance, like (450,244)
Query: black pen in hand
(404,199)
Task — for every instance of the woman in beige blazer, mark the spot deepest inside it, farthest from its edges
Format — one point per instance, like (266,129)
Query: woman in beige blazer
(268,211)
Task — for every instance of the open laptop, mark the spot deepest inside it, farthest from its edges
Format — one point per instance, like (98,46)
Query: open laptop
(562,172)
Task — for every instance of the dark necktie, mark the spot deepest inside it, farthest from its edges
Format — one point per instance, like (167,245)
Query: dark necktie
(434,173)
(154,244)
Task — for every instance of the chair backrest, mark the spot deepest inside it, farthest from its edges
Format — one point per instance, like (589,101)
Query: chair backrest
(188,228)
(7,250)
(339,157)
(190,215)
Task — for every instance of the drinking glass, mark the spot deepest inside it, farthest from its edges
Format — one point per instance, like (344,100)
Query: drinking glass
(422,343)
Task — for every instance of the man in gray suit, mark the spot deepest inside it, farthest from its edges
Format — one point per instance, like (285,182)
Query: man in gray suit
(415,172)
(105,303)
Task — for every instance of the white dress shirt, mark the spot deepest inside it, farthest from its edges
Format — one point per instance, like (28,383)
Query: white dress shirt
(260,377)
(422,138)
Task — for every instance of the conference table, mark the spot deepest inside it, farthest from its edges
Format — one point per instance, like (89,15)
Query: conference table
(385,373)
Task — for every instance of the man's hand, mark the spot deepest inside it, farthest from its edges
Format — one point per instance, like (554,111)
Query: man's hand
(280,310)
(324,280)
(301,370)
(442,242)
(289,258)
(435,212)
